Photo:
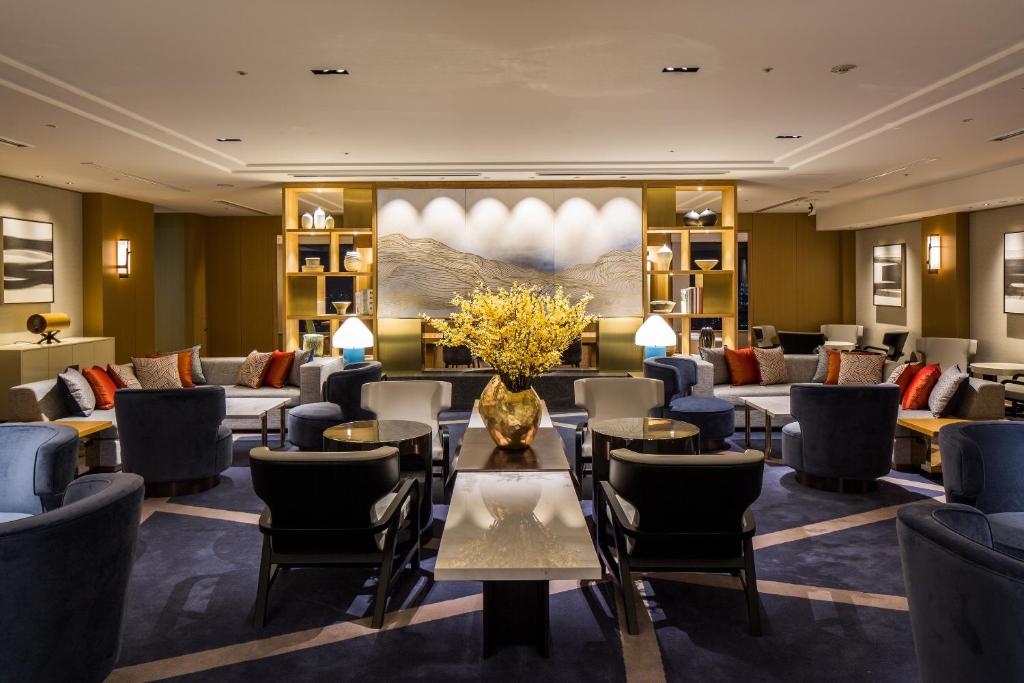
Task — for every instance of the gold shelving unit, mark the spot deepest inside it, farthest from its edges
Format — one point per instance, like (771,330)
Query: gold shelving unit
(307,305)
(664,208)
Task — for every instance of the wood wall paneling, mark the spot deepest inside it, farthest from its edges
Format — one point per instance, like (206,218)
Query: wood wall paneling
(946,295)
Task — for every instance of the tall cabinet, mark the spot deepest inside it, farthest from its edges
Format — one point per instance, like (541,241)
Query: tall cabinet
(331,223)
(700,258)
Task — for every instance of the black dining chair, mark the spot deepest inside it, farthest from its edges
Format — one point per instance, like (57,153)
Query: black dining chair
(681,513)
(335,509)
(454,356)
(892,344)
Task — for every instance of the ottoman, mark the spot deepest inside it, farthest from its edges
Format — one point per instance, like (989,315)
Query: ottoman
(714,417)
(307,422)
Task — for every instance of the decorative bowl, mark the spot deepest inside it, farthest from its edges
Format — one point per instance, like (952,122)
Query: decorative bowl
(313,261)
(706,263)
(662,306)
(691,218)
(708,218)
(341,306)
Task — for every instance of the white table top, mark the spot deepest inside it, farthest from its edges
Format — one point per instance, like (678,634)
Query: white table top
(248,408)
(515,526)
(994,368)
(840,345)
(475,421)
(773,405)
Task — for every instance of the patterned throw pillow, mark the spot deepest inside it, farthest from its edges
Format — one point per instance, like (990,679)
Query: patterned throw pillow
(78,396)
(921,387)
(716,357)
(742,367)
(252,370)
(942,399)
(124,376)
(158,373)
(184,362)
(861,368)
(772,366)
(821,369)
(301,358)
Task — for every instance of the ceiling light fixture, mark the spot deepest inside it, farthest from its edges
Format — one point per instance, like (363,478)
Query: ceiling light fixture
(14,143)
(329,72)
(788,137)
(998,138)
(843,68)
(224,185)
(229,139)
(50,125)
(235,205)
(680,69)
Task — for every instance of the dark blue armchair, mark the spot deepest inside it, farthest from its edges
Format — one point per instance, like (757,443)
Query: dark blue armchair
(983,466)
(37,462)
(343,396)
(714,417)
(65,574)
(966,597)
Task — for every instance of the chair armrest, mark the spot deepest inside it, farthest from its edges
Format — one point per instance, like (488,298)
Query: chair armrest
(314,374)
(749,526)
(705,385)
(981,400)
(405,488)
(619,518)
(445,436)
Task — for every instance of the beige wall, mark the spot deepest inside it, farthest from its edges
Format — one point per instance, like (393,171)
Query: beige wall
(19,199)
(172,330)
(1000,336)
(880,319)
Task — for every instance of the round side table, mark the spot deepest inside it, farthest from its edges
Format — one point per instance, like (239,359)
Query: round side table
(414,443)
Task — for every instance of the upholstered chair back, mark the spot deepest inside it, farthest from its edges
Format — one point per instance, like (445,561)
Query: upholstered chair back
(983,465)
(607,398)
(765,336)
(948,351)
(895,341)
(344,388)
(844,333)
(37,462)
(416,400)
(964,596)
(456,355)
(323,490)
(847,430)
(573,354)
(65,575)
(678,375)
(699,494)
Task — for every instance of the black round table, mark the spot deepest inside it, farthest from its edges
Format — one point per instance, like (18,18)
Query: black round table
(414,443)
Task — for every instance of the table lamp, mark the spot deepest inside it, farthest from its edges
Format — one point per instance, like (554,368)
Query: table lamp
(352,338)
(655,335)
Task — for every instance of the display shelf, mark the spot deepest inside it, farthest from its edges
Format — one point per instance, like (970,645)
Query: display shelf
(328,316)
(330,273)
(691,272)
(331,231)
(682,230)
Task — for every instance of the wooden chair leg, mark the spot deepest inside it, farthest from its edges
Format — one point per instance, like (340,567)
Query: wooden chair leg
(263,589)
(750,588)
(384,580)
(631,602)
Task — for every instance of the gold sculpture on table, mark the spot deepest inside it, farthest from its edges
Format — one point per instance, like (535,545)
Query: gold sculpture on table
(48,325)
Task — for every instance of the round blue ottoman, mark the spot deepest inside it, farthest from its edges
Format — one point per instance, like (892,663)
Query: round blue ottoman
(713,416)
(307,422)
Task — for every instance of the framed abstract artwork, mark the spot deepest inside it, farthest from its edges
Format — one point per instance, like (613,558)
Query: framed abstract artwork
(888,275)
(1013,272)
(27,261)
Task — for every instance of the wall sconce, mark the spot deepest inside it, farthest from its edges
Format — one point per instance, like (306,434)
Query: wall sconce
(124,258)
(934,253)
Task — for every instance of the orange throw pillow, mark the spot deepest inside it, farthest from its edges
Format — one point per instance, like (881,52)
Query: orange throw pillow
(834,360)
(921,387)
(743,368)
(278,368)
(184,359)
(907,376)
(102,385)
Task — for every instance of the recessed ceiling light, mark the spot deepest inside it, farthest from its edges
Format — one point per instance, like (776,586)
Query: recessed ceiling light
(68,182)
(50,125)
(788,137)
(229,139)
(330,72)
(39,176)
(967,120)
(224,185)
(680,69)
(242,73)
(843,68)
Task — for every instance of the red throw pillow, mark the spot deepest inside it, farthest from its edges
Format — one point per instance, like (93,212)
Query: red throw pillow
(102,385)
(834,361)
(743,368)
(921,387)
(907,376)
(278,368)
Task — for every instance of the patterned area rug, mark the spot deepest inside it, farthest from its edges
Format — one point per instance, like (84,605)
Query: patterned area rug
(828,565)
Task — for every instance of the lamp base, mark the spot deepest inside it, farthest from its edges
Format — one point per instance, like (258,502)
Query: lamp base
(354,355)
(654,351)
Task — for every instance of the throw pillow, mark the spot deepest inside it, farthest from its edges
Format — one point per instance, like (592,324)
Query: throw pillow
(102,385)
(717,359)
(742,366)
(124,376)
(277,371)
(184,363)
(254,368)
(942,399)
(921,387)
(902,375)
(78,397)
(198,376)
(771,365)
(861,368)
(158,373)
(821,369)
(834,361)
(301,358)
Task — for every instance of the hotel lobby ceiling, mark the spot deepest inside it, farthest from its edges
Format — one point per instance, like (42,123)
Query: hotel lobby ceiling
(130,98)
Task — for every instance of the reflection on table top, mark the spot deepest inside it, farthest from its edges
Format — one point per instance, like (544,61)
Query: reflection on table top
(646,428)
(480,454)
(377,431)
(477,422)
(515,526)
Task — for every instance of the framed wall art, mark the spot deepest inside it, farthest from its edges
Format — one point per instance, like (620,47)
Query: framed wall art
(27,261)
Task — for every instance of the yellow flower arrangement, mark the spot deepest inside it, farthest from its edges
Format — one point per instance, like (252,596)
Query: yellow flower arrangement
(520,332)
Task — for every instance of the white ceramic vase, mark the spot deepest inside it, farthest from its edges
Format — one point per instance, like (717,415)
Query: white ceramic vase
(319,219)
(307,221)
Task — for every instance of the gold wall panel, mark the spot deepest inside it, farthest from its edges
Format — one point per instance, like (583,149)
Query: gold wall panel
(615,348)
(358,208)
(661,207)
(946,295)
(399,344)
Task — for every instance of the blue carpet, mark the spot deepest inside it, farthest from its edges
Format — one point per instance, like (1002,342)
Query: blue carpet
(194,582)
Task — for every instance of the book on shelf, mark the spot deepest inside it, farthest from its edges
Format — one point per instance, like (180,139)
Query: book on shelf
(691,300)
(364,302)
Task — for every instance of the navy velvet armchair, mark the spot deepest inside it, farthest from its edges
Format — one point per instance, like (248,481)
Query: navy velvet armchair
(37,462)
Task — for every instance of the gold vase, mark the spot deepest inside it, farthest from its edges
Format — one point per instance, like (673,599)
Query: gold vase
(511,418)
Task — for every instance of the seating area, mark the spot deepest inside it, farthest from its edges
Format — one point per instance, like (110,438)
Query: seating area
(573,341)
